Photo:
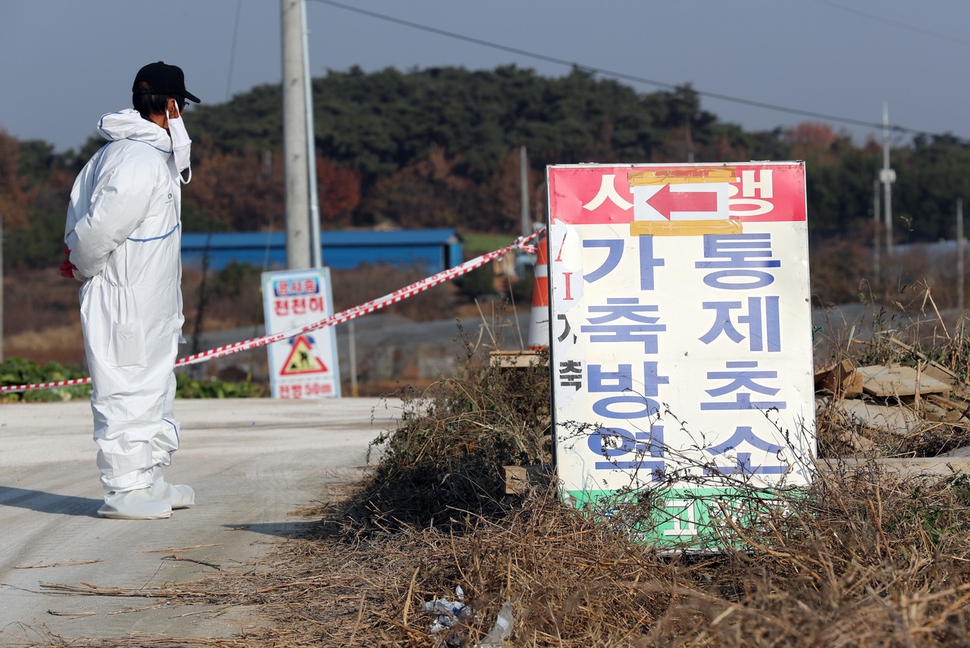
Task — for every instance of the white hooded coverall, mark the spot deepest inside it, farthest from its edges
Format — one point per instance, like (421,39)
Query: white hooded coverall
(124,232)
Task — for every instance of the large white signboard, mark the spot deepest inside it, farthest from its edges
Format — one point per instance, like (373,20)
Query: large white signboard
(304,366)
(681,333)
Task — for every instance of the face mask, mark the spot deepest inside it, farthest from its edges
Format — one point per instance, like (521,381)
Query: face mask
(181,146)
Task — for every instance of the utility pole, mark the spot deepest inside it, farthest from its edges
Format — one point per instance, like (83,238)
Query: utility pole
(539,195)
(887,176)
(316,254)
(524,180)
(295,137)
(875,230)
(1,286)
(960,245)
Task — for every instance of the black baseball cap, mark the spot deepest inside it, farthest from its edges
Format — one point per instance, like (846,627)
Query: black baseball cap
(163,79)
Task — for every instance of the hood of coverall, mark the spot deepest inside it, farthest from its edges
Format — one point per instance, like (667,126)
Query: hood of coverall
(129,124)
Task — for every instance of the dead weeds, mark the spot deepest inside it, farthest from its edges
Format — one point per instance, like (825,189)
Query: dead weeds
(863,557)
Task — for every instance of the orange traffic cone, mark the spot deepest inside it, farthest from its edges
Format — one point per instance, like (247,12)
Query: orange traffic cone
(539,326)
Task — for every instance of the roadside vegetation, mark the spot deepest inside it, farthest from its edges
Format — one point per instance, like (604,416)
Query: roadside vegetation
(18,371)
(863,557)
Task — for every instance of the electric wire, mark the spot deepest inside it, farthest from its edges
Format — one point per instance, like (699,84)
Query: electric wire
(895,23)
(232,50)
(630,77)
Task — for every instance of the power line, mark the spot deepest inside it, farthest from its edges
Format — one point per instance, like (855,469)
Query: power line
(623,75)
(895,23)
(232,51)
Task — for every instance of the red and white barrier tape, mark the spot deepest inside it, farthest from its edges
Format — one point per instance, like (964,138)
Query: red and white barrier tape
(339,318)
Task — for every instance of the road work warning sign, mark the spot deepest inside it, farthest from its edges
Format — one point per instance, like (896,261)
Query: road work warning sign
(301,359)
(304,366)
(681,337)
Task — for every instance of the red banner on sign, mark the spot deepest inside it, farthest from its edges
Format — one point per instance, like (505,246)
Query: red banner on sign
(602,195)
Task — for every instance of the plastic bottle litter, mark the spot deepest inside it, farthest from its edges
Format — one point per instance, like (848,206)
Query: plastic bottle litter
(501,630)
(447,613)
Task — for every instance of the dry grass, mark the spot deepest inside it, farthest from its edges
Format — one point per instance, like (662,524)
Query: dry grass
(41,318)
(448,451)
(864,560)
(62,343)
(860,558)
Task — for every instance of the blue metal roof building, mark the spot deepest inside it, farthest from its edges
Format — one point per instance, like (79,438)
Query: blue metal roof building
(433,249)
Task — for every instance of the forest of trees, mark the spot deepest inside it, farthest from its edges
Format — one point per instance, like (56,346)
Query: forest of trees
(439,148)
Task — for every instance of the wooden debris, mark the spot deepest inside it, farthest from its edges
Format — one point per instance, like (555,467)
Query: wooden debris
(518,479)
(896,419)
(181,549)
(938,413)
(931,393)
(893,381)
(191,560)
(841,379)
(70,615)
(936,370)
(926,467)
(953,410)
(59,563)
(516,359)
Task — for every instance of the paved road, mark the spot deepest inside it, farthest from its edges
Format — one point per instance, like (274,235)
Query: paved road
(251,462)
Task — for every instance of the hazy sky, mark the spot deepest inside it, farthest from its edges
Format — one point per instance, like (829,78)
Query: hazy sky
(65,62)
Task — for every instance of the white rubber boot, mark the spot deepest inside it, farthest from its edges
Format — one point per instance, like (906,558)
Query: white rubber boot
(134,505)
(178,496)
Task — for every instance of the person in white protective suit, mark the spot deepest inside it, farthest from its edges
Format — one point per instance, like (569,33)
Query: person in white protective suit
(123,234)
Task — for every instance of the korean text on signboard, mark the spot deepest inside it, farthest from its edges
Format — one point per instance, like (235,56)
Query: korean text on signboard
(681,342)
(304,366)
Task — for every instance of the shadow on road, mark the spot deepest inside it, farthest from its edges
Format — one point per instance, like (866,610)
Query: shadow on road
(49,502)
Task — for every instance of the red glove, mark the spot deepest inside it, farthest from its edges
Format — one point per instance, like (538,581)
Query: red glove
(68,268)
